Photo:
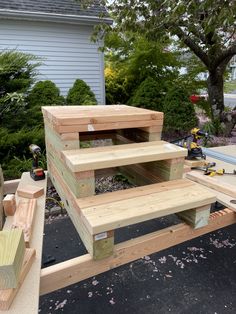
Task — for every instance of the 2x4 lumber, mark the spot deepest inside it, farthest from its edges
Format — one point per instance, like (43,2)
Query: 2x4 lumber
(30,191)
(99,246)
(104,126)
(70,115)
(121,155)
(11,257)
(7,296)
(10,186)
(27,298)
(83,267)
(24,217)
(9,204)
(216,183)
(137,209)
(197,218)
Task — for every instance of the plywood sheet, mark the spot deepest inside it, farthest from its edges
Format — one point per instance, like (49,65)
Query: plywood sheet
(121,155)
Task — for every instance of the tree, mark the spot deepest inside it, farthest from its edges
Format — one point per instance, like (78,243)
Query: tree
(205,27)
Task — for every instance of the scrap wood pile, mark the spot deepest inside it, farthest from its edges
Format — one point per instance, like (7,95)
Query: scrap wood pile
(16,254)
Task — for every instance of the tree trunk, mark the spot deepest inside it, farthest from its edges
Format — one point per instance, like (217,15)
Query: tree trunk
(215,83)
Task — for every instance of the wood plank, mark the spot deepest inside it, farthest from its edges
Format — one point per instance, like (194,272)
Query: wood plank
(24,217)
(7,296)
(29,290)
(10,186)
(195,163)
(121,155)
(70,115)
(9,204)
(83,267)
(11,257)
(125,212)
(30,191)
(216,183)
(99,248)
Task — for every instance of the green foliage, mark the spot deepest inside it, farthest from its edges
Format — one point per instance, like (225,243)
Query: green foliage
(15,147)
(148,95)
(179,113)
(80,94)
(44,93)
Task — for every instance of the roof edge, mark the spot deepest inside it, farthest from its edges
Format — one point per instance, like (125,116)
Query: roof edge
(54,17)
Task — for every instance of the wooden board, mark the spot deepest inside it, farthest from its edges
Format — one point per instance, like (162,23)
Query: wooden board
(24,217)
(8,295)
(78,115)
(80,268)
(218,182)
(1,198)
(10,186)
(133,208)
(121,155)
(30,191)
(12,250)
(9,204)
(29,290)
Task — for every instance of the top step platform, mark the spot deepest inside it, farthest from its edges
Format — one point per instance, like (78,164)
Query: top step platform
(67,119)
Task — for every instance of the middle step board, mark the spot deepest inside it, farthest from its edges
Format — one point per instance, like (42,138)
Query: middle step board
(120,155)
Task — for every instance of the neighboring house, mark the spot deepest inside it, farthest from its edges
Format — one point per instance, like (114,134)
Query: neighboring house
(60,32)
(232,67)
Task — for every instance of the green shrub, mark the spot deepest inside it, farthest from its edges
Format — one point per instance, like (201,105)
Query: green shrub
(179,113)
(148,95)
(80,94)
(44,93)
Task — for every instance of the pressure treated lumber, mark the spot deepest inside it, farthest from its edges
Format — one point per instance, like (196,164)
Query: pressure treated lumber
(7,296)
(29,291)
(217,182)
(11,257)
(197,218)
(24,217)
(30,191)
(132,209)
(99,247)
(121,155)
(9,205)
(83,267)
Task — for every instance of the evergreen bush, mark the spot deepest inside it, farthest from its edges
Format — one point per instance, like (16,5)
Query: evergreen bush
(179,113)
(44,93)
(80,94)
(148,95)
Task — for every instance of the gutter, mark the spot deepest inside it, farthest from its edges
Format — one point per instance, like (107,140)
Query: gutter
(53,17)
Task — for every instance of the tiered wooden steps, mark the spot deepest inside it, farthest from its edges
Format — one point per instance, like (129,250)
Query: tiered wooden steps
(138,152)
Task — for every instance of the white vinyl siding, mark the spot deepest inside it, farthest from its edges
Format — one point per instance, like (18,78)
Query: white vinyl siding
(66,50)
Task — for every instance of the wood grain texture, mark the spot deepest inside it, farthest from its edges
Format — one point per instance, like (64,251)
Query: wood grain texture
(121,155)
(134,209)
(12,250)
(83,267)
(29,290)
(217,182)
(24,217)
(7,296)
(197,218)
(9,205)
(30,191)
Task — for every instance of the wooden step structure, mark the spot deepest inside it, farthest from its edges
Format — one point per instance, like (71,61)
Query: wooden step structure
(135,150)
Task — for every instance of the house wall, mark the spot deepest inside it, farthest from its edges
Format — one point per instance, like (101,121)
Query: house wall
(66,50)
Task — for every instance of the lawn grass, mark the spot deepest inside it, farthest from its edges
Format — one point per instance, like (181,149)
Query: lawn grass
(229,86)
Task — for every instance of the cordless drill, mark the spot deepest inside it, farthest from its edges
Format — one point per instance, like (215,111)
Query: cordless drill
(194,150)
(36,173)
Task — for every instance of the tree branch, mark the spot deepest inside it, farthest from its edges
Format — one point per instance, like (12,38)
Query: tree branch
(192,45)
(228,53)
